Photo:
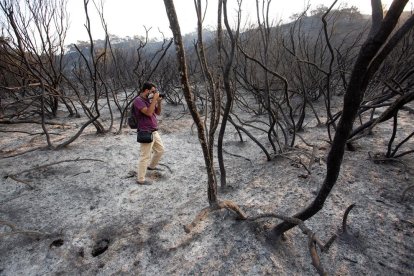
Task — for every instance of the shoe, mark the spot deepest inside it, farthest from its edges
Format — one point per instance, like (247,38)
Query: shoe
(145,182)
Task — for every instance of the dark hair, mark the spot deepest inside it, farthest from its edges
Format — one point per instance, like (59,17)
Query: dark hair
(147,85)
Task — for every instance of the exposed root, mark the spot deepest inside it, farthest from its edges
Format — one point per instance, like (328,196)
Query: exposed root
(328,244)
(200,216)
(301,225)
(225,204)
(312,238)
(230,205)
(316,261)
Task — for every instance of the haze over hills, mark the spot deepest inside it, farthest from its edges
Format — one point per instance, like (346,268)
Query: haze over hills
(341,23)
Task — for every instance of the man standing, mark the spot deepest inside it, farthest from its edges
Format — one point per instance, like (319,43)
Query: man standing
(146,113)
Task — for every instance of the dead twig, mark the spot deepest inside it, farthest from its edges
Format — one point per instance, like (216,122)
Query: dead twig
(303,165)
(56,163)
(88,171)
(160,164)
(15,230)
(312,158)
(11,122)
(405,192)
(304,141)
(21,181)
(350,260)
(24,232)
(328,244)
(14,176)
(377,159)
(407,221)
(236,155)
(26,132)
(24,152)
(299,151)
(344,230)
(9,224)
(299,161)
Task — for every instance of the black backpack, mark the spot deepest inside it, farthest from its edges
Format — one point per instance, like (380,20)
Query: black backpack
(132,119)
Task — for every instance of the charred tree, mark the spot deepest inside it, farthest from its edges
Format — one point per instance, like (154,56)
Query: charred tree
(366,65)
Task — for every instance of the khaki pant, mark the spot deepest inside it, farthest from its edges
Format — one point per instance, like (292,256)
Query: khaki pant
(156,149)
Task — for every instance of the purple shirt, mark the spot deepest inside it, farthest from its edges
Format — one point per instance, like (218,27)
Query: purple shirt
(145,123)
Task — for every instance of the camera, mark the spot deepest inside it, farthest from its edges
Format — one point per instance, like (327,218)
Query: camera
(162,95)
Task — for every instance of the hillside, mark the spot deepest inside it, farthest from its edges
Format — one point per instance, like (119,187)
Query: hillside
(84,214)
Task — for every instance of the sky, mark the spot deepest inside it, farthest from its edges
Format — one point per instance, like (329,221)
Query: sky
(128,17)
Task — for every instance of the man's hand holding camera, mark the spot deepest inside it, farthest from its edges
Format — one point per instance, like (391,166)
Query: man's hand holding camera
(157,96)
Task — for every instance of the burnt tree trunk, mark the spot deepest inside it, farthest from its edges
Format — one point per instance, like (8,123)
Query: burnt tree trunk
(227,87)
(364,68)
(189,97)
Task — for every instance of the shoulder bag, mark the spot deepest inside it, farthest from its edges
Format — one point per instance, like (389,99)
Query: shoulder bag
(144,136)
